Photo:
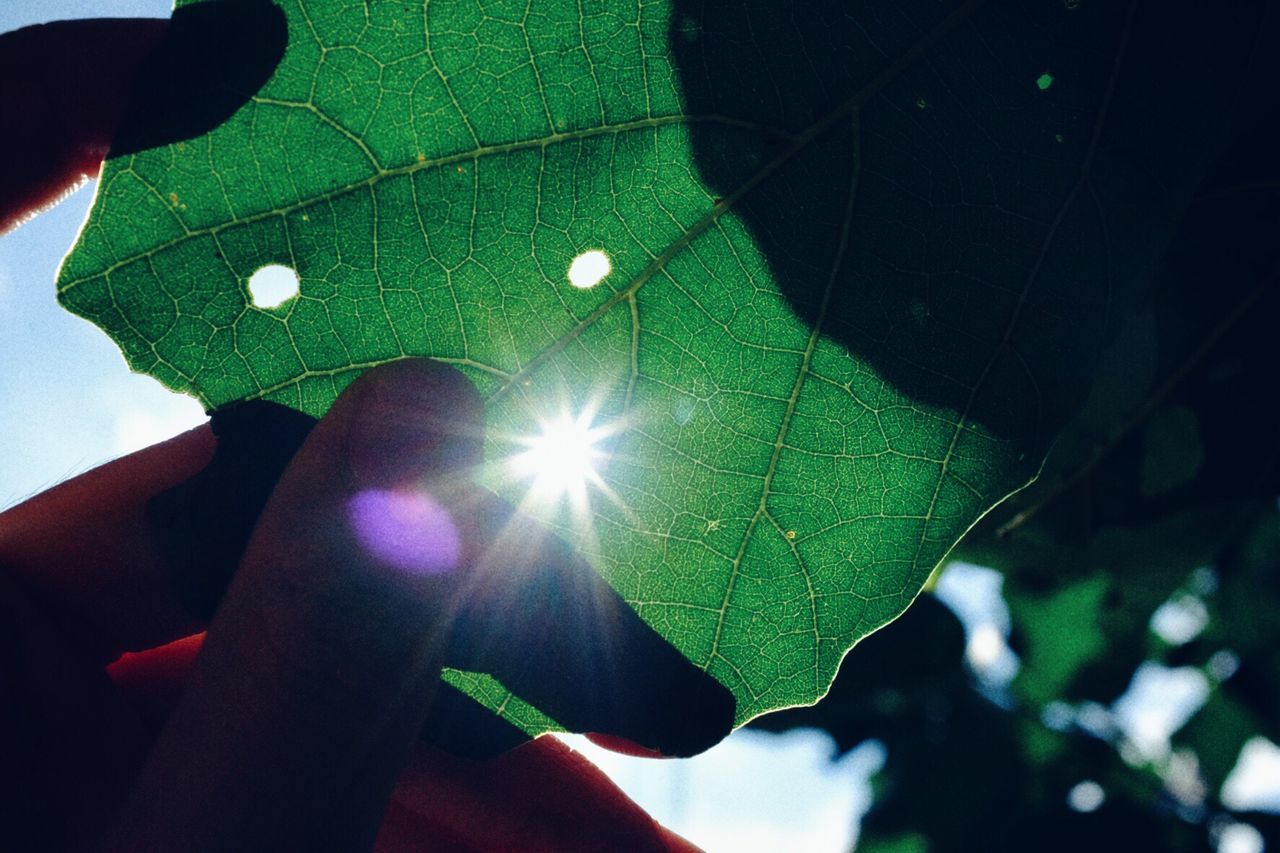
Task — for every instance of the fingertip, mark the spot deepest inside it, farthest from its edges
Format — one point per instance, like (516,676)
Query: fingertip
(445,382)
(411,432)
(623,746)
(413,420)
(66,86)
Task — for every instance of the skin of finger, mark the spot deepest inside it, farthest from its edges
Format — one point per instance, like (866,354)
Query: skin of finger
(65,88)
(317,667)
(543,793)
(543,796)
(87,553)
(71,743)
(153,681)
(622,745)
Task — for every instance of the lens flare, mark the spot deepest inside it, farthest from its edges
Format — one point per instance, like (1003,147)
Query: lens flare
(406,529)
(565,461)
(561,460)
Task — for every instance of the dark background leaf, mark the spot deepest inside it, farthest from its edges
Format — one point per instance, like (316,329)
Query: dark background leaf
(1134,509)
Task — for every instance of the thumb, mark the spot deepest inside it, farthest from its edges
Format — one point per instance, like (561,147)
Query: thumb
(319,665)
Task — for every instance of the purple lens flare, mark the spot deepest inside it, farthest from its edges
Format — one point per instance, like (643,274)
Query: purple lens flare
(406,529)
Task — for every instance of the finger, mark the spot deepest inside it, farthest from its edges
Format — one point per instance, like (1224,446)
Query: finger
(622,745)
(536,616)
(88,553)
(65,89)
(69,744)
(151,682)
(315,672)
(541,797)
(539,619)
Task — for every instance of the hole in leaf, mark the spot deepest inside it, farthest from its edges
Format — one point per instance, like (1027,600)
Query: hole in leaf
(273,286)
(589,269)
(1086,797)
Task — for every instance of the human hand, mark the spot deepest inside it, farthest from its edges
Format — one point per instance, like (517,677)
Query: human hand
(321,660)
(315,676)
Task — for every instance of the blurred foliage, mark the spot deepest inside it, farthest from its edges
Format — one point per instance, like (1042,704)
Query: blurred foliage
(1163,487)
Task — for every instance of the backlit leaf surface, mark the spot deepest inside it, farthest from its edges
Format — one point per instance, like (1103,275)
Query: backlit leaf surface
(862,255)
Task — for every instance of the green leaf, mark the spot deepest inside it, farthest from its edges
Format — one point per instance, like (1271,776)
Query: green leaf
(862,260)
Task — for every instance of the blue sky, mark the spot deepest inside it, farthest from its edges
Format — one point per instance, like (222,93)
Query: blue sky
(69,401)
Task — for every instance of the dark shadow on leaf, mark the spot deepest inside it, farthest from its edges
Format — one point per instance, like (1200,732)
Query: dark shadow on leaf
(539,619)
(545,624)
(463,727)
(958,225)
(214,58)
(205,523)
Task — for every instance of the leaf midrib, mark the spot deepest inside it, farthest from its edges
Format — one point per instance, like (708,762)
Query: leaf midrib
(381,174)
(512,380)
